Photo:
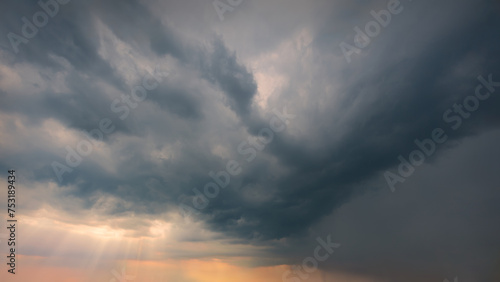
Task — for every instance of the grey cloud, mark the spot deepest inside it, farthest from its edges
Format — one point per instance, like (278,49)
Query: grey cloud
(353,120)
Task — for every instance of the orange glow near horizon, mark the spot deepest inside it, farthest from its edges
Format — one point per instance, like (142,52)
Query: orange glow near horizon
(195,270)
(80,253)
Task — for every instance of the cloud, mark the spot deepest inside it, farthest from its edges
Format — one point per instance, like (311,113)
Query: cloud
(352,121)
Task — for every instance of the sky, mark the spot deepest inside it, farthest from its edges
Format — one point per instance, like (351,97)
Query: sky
(250,140)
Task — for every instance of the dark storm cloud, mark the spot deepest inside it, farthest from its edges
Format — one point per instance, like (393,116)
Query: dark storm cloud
(351,125)
(395,101)
(439,225)
(70,34)
(320,178)
(222,68)
(132,22)
(179,102)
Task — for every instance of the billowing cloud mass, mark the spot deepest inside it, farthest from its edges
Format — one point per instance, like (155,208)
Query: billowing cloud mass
(240,132)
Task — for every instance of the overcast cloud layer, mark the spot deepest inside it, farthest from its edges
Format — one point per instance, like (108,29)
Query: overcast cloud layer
(221,83)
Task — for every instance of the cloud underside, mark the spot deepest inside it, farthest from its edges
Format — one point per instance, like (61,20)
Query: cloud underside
(352,120)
